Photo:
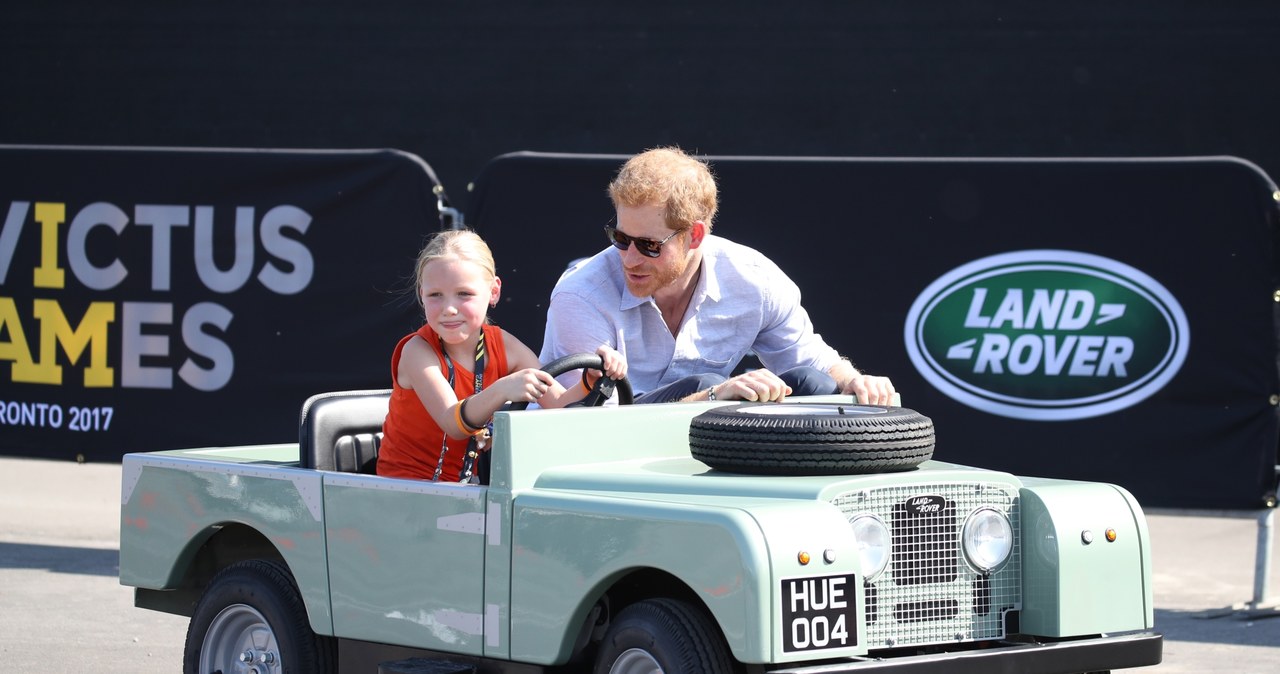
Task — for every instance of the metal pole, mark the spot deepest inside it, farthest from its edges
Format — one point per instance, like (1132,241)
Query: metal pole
(1262,561)
(450,217)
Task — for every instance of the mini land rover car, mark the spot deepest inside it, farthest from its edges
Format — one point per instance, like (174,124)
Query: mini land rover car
(814,535)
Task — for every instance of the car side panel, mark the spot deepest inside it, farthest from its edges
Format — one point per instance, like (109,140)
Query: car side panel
(1075,581)
(407,561)
(172,503)
(568,548)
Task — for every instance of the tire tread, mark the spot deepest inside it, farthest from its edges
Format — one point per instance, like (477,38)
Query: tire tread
(894,439)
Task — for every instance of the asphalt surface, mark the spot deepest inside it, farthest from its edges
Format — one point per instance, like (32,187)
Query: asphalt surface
(62,608)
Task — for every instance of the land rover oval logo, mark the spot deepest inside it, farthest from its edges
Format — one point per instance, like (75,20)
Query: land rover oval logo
(925,505)
(1047,335)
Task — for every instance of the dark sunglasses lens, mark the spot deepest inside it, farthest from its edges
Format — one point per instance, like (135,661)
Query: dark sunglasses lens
(647,247)
(621,241)
(618,239)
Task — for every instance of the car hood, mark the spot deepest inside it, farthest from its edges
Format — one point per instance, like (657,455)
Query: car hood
(686,476)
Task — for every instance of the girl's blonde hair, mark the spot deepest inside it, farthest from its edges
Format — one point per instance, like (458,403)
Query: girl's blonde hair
(463,244)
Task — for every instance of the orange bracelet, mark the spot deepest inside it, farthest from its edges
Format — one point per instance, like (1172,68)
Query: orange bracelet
(462,423)
(587,386)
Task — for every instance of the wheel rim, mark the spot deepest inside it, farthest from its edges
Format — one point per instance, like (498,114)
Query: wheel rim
(635,661)
(240,640)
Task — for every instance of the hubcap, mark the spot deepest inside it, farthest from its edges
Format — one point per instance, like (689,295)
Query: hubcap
(240,641)
(635,661)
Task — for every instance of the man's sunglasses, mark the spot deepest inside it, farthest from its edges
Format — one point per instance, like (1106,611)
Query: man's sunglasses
(647,247)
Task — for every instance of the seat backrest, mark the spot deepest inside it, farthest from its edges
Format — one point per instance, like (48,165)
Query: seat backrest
(342,430)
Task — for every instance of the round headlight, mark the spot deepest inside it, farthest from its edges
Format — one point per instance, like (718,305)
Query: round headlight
(873,541)
(988,539)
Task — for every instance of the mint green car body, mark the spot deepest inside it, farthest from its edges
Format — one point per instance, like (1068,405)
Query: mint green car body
(584,502)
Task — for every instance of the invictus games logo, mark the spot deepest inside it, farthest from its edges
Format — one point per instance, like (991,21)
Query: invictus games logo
(1047,335)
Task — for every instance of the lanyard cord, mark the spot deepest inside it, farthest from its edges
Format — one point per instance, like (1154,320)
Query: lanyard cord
(468,461)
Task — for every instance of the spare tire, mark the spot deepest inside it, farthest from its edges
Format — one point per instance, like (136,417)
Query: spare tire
(810,438)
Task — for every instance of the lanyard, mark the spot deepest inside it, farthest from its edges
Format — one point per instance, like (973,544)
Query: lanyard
(473,445)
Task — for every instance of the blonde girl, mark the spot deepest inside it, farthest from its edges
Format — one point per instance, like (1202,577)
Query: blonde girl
(454,372)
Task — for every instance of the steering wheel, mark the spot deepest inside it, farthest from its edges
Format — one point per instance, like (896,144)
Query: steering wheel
(599,393)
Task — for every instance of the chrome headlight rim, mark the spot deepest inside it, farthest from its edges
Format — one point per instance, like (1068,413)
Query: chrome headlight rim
(871,570)
(973,549)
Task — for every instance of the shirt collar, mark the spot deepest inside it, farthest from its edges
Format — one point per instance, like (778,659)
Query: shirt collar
(625,299)
(707,286)
(708,283)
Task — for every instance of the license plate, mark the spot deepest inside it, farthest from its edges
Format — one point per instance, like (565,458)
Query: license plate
(819,613)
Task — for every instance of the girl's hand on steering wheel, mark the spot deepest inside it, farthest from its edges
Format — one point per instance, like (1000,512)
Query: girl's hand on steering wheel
(527,385)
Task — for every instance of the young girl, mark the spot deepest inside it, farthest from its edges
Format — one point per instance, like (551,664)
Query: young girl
(439,401)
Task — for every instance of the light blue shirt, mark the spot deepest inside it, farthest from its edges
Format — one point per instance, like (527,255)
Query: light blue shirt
(742,303)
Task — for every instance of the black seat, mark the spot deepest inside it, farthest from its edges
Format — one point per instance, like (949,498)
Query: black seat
(342,430)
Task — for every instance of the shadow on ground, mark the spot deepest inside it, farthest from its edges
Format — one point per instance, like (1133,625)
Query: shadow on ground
(60,559)
(1239,627)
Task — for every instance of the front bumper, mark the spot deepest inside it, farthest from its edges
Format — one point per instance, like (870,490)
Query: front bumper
(1139,649)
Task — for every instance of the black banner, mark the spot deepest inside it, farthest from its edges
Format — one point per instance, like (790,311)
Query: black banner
(163,298)
(1106,320)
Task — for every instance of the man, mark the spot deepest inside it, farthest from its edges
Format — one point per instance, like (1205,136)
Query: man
(684,306)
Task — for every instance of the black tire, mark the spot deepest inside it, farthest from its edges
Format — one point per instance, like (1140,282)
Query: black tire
(668,633)
(254,606)
(811,438)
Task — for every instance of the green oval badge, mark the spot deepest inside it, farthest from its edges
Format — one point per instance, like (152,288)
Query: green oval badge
(1047,335)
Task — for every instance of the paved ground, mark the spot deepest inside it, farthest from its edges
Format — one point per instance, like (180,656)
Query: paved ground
(62,608)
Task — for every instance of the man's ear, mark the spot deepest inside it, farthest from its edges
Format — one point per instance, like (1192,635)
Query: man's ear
(495,292)
(697,233)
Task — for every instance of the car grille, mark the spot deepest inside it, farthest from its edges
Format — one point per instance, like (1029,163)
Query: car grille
(929,594)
